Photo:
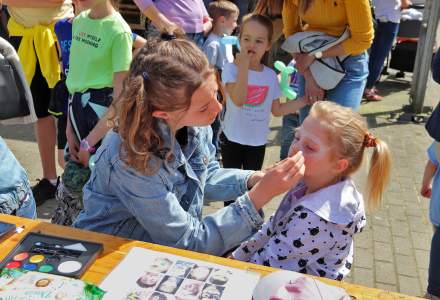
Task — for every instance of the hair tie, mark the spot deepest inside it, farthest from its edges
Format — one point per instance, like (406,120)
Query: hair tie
(145,75)
(370,140)
(167,36)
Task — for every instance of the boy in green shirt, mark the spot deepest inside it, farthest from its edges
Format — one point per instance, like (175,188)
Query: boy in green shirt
(100,56)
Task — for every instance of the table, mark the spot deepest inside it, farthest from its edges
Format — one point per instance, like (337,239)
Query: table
(115,248)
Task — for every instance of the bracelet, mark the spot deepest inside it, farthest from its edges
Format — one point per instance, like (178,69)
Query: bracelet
(84,145)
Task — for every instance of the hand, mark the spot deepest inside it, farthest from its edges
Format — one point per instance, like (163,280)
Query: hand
(313,92)
(242,59)
(303,62)
(254,179)
(426,190)
(207,26)
(73,143)
(278,179)
(171,28)
(83,157)
(405,4)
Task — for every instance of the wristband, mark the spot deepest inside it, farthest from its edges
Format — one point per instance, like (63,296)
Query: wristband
(84,145)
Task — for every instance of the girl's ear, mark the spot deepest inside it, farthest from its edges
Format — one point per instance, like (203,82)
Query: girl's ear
(161,114)
(342,165)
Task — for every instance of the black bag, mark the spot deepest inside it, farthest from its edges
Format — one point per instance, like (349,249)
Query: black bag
(433,124)
(13,98)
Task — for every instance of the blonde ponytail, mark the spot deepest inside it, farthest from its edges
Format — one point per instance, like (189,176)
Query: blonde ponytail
(378,174)
(349,131)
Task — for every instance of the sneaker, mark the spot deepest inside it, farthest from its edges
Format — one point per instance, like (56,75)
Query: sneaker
(371,95)
(44,190)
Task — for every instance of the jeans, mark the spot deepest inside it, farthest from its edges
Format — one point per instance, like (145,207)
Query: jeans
(384,37)
(215,126)
(349,90)
(28,208)
(434,265)
(198,38)
(290,122)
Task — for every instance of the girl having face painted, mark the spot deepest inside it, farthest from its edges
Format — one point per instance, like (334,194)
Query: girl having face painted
(312,230)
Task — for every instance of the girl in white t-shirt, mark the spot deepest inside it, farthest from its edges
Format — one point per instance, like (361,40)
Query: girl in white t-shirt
(252,94)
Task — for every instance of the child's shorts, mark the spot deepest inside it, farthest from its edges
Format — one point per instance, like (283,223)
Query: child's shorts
(85,110)
(59,102)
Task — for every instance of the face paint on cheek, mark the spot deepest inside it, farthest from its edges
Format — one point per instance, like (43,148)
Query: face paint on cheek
(318,148)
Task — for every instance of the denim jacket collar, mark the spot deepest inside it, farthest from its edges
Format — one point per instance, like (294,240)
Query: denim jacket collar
(179,152)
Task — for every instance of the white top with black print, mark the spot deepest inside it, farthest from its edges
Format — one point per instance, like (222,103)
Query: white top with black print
(311,233)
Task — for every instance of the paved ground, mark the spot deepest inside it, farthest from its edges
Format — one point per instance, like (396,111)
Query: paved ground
(393,252)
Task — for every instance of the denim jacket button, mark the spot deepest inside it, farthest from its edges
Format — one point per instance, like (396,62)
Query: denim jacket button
(205,160)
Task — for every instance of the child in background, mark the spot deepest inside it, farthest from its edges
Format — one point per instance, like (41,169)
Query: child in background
(290,121)
(431,189)
(99,59)
(253,92)
(224,15)
(60,95)
(312,230)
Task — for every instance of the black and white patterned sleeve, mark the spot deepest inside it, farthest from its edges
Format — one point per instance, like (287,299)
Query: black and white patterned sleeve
(306,237)
(257,241)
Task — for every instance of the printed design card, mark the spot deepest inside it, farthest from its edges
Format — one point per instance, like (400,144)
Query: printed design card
(150,275)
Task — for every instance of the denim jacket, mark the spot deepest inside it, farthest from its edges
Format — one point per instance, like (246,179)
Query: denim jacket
(166,208)
(15,192)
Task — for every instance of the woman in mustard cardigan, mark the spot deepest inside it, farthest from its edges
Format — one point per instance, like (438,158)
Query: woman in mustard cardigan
(332,17)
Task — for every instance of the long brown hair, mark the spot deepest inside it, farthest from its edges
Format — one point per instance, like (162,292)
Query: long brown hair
(349,131)
(163,76)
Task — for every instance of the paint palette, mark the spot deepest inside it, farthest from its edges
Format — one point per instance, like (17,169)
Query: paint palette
(52,254)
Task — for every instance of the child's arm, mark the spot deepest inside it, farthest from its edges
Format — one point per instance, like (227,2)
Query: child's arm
(138,41)
(257,241)
(280,109)
(430,170)
(238,90)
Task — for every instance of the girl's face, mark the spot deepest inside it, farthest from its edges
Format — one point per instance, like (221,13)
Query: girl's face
(150,278)
(160,265)
(169,285)
(254,40)
(320,154)
(203,110)
(200,273)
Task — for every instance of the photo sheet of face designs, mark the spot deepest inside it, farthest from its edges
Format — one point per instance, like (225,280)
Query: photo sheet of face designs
(149,275)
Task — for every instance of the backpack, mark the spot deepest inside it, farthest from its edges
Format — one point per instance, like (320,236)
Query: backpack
(15,96)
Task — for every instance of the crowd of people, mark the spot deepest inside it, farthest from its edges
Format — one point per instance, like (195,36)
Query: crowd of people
(150,127)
